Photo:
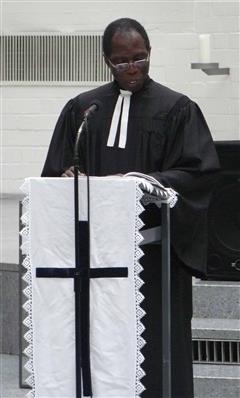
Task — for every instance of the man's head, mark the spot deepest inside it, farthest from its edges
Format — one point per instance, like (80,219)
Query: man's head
(126,50)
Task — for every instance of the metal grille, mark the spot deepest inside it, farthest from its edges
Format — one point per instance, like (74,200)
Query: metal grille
(52,58)
(216,352)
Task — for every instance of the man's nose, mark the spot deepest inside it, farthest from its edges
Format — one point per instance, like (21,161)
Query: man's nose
(132,67)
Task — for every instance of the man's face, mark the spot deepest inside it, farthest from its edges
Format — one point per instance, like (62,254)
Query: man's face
(129,47)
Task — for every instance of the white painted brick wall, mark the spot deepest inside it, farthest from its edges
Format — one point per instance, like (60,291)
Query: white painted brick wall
(29,113)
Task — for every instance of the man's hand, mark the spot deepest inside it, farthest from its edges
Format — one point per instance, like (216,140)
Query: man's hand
(70,172)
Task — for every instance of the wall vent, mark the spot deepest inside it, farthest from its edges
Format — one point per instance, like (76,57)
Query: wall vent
(216,352)
(52,58)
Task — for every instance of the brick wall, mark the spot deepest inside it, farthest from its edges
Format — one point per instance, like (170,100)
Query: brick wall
(29,112)
(29,117)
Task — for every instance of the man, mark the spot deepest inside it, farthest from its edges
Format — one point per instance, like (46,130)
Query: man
(145,127)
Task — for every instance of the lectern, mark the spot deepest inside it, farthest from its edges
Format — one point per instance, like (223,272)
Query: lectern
(115,328)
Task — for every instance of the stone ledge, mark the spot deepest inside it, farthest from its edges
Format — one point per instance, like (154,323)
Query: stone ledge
(216,329)
(216,381)
(199,282)
(216,300)
(231,372)
(9,267)
(9,308)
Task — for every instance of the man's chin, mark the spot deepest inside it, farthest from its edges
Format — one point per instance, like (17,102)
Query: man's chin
(133,86)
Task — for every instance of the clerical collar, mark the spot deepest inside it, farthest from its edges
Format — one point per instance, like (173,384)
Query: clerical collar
(120,115)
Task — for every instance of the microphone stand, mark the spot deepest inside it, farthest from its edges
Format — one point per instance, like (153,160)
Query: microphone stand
(78,276)
(77,279)
(82,268)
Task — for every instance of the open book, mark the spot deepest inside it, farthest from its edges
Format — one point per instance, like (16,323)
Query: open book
(154,191)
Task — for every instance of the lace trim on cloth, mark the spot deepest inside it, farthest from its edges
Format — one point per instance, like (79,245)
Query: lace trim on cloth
(139,387)
(28,321)
(25,248)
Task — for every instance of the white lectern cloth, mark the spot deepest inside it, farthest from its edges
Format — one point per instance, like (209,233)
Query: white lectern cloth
(115,303)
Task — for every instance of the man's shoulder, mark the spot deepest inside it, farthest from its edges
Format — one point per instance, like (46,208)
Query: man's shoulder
(167,97)
(88,97)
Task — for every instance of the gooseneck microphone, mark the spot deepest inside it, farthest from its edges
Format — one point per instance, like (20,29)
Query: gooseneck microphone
(89,112)
(93,107)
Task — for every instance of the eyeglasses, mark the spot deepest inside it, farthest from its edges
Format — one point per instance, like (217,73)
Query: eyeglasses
(124,66)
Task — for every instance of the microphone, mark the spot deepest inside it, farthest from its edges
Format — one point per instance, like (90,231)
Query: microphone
(93,107)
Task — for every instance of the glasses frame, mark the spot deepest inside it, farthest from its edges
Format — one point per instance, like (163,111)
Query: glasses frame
(125,66)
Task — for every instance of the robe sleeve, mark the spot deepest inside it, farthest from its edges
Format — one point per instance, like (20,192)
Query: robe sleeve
(60,152)
(190,167)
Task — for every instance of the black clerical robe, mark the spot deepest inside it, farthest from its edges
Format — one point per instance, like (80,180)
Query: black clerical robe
(168,138)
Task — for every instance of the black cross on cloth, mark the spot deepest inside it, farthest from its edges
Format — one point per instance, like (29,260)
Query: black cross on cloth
(82,276)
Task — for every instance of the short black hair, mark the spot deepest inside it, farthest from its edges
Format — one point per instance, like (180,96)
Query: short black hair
(122,25)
